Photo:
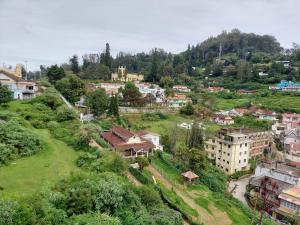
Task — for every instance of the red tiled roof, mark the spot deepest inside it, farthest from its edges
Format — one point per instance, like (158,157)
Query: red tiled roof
(119,136)
(122,132)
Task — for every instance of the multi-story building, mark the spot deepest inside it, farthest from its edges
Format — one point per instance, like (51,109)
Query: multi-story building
(289,204)
(292,120)
(232,153)
(233,148)
(123,75)
(259,141)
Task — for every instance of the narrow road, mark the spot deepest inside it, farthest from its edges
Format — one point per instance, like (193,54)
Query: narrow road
(205,217)
(240,189)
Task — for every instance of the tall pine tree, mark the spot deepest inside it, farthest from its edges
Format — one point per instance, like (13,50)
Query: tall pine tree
(74,64)
(113,108)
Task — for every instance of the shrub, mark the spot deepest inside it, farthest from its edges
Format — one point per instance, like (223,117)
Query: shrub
(187,110)
(139,176)
(64,113)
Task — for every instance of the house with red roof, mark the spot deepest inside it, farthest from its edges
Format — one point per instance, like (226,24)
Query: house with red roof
(128,143)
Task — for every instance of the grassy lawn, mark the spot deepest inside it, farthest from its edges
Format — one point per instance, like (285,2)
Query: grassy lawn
(159,126)
(273,102)
(27,175)
(225,104)
(167,171)
(280,102)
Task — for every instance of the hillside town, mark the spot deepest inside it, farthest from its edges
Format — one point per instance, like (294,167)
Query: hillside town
(149,113)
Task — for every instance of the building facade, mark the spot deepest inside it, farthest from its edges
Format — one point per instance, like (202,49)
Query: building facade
(123,75)
(21,89)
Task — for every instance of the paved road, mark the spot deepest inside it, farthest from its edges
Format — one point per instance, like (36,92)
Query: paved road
(240,190)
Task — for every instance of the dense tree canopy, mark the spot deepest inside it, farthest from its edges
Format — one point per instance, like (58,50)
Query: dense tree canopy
(97,101)
(71,87)
(55,73)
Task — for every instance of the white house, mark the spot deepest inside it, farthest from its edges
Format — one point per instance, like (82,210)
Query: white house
(153,137)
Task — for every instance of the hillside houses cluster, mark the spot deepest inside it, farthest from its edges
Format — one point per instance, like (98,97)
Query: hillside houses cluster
(287,132)
(177,100)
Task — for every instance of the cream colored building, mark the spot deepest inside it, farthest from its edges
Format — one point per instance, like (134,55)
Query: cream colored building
(123,75)
(231,151)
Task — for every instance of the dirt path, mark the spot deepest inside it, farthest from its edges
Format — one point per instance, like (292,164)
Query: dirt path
(133,180)
(218,216)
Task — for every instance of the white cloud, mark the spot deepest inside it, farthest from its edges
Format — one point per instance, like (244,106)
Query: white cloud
(47,32)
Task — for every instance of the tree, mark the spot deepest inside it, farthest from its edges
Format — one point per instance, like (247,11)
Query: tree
(153,75)
(97,101)
(132,95)
(55,73)
(187,110)
(195,137)
(113,108)
(167,82)
(74,64)
(244,71)
(71,87)
(5,94)
(64,113)
(143,162)
(106,57)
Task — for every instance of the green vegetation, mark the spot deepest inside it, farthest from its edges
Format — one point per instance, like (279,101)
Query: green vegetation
(28,175)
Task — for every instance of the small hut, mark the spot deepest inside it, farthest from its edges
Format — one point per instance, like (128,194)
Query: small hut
(189,176)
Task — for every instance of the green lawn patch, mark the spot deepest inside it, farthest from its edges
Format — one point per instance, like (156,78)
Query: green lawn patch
(28,175)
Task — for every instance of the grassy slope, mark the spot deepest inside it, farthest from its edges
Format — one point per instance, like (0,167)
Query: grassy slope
(272,102)
(27,175)
(204,197)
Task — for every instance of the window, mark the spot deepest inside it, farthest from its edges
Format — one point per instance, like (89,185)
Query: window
(227,162)
(246,144)
(241,145)
(240,153)
(245,160)
(239,161)
(213,148)
(228,154)
(229,146)
(226,170)
(245,152)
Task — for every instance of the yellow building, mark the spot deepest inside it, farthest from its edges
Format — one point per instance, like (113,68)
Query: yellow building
(123,75)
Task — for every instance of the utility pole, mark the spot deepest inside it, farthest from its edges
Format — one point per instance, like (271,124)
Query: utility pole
(26,69)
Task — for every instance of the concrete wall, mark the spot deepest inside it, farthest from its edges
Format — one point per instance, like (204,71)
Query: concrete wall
(132,110)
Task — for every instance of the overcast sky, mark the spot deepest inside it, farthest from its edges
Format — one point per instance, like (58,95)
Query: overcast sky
(50,31)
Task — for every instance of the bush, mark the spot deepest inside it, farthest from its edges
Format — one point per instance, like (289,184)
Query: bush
(64,113)
(154,116)
(16,142)
(187,110)
(139,176)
